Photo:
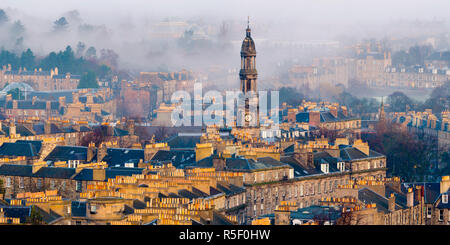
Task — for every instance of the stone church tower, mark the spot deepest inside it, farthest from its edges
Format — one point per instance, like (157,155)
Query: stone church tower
(248,76)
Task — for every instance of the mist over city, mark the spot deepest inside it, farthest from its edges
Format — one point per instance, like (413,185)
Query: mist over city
(238,112)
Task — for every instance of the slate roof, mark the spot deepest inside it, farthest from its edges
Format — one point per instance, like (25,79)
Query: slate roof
(188,194)
(20,129)
(431,191)
(183,142)
(57,173)
(85,174)
(18,149)
(65,153)
(78,209)
(111,173)
(119,156)
(48,217)
(17,212)
(40,129)
(28,105)
(120,132)
(179,158)
(350,153)
(36,143)
(230,189)
(16,170)
(325,116)
(442,205)
(52,95)
(299,168)
(243,164)
(311,213)
(366,195)
(289,149)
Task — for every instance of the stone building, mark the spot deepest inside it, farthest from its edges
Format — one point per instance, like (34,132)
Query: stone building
(38,79)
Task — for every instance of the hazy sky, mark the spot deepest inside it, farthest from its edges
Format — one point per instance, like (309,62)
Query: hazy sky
(317,10)
(126,25)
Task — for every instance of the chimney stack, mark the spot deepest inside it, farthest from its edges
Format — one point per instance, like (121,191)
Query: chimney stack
(75,97)
(445,184)
(102,151)
(90,152)
(47,127)
(48,106)
(89,98)
(33,100)
(62,101)
(12,130)
(418,194)
(391,203)
(130,127)
(410,198)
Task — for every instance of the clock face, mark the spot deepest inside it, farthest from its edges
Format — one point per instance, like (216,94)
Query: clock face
(248,117)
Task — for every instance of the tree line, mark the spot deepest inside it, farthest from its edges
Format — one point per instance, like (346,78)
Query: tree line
(66,61)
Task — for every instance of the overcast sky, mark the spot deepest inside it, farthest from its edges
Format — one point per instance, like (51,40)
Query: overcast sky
(127,22)
(318,10)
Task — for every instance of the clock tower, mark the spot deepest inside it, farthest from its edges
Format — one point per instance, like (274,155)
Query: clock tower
(248,76)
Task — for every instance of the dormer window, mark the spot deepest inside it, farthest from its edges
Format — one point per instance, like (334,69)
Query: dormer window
(445,198)
(325,168)
(341,166)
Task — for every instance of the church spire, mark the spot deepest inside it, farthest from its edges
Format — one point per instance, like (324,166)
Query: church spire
(382,115)
(248,27)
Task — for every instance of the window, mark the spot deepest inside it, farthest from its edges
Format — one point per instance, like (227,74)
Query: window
(52,184)
(428,212)
(445,198)
(21,184)
(8,182)
(301,190)
(39,183)
(79,185)
(441,215)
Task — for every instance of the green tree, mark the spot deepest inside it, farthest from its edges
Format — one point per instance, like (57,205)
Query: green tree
(398,102)
(91,53)
(27,59)
(7,57)
(17,29)
(291,96)
(408,156)
(60,24)
(80,49)
(439,99)
(3,17)
(88,80)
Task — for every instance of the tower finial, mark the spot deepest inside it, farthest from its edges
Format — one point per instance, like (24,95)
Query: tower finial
(248,21)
